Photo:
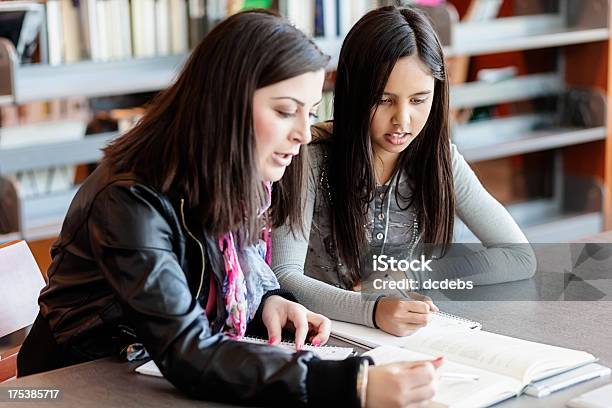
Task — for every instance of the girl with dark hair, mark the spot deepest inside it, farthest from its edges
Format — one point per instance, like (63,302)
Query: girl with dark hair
(160,251)
(384,173)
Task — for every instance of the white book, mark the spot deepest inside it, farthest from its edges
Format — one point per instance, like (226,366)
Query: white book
(89,26)
(55,37)
(351,11)
(103,52)
(143,28)
(149,34)
(125,29)
(113,29)
(179,27)
(162,27)
(329,19)
(501,366)
(301,13)
(216,10)
(71,32)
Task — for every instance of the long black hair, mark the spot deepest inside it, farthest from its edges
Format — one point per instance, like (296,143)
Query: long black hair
(369,53)
(197,137)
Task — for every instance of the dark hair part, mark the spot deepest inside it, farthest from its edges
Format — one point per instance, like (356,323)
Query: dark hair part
(369,53)
(197,138)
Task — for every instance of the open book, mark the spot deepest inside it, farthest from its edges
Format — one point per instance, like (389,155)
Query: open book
(503,365)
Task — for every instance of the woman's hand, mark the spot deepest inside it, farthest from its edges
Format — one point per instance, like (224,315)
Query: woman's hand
(401,384)
(403,317)
(279,313)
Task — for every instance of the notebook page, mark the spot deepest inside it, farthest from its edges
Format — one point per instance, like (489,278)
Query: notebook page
(368,337)
(323,352)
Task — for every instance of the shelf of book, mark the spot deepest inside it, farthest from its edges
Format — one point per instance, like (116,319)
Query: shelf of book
(42,216)
(92,79)
(543,222)
(530,142)
(555,39)
(86,150)
(482,93)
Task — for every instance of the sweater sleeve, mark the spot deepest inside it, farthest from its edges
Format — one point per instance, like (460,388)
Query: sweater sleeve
(289,256)
(505,255)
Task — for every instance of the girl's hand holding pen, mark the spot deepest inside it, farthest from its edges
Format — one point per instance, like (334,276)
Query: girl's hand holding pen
(403,317)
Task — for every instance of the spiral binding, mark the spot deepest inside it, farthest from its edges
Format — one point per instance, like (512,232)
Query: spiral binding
(472,324)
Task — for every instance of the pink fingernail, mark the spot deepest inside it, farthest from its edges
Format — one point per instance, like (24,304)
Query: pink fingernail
(272,340)
(316,342)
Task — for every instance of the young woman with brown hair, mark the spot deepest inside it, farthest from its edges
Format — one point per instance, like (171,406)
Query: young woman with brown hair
(385,174)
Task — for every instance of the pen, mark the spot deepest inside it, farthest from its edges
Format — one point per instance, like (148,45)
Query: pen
(459,376)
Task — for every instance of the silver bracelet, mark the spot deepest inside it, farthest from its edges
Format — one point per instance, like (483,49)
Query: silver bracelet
(362,382)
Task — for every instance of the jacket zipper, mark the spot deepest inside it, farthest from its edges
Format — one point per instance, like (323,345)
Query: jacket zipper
(199,244)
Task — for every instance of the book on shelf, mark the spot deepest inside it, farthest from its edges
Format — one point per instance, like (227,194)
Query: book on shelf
(301,13)
(55,34)
(162,27)
(349,12)
(179,42)
(198,24)
(38,123)
(143,28)
(71,32)
(106,30)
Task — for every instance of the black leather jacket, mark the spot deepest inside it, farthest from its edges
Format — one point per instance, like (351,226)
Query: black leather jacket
(126,268)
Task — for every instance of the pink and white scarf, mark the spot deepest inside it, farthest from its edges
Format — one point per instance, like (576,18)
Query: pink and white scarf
(235,286)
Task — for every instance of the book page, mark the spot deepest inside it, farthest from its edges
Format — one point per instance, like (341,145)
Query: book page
(488,389)
(521,359)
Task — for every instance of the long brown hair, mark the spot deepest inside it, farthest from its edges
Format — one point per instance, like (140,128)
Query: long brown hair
(197,139)
(368,55)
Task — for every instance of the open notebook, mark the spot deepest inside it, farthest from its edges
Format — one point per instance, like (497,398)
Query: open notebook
(323,352)
(504,365)
(368,337)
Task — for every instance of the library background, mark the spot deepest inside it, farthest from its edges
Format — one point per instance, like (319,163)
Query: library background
(530,80)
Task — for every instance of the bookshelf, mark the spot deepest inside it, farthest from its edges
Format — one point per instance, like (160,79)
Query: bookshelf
(568,25)
(570,32)
(575,31)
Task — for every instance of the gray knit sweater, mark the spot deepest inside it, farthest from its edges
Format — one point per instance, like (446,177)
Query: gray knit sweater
(308,267)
